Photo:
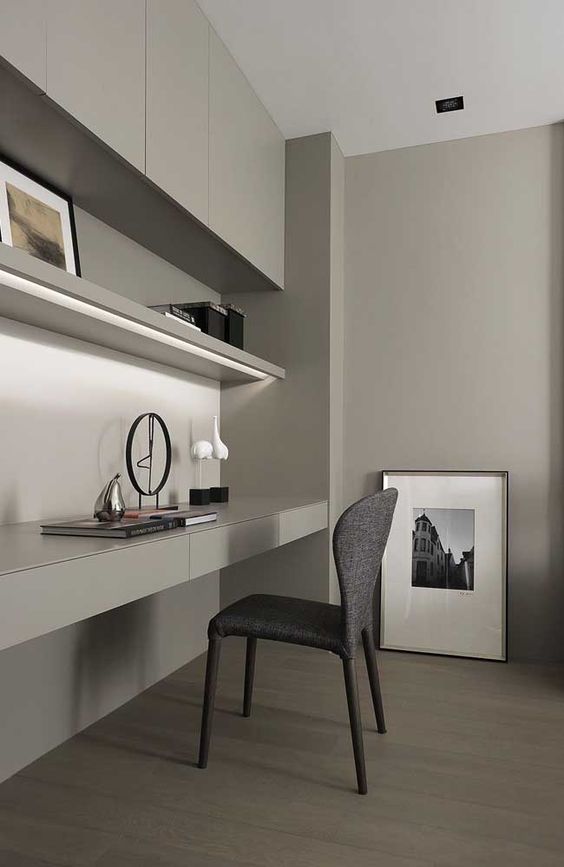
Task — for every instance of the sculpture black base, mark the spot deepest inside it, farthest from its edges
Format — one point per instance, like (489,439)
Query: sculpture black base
(199,496)
(219,495)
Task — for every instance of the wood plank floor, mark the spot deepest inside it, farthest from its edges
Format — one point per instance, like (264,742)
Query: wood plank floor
(471,772)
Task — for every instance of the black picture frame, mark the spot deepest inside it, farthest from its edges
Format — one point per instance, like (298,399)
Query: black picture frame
(505,476)
(32,176)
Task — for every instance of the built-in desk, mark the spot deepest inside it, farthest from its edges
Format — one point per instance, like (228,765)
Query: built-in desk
(47,582)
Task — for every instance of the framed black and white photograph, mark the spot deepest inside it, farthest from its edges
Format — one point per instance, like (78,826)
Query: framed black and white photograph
(444,574)
(36,218)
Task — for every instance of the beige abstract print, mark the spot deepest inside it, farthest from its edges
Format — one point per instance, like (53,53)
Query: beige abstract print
(36,227)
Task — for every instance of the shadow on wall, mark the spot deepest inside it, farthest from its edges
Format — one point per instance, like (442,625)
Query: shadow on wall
(556,385)
(112,646)
(110,449)
(9,509)
(283,567)
(372,482)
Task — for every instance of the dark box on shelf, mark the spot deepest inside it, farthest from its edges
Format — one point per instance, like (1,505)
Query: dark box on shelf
(219,495)
(235,330)
(210,317)
(199,496)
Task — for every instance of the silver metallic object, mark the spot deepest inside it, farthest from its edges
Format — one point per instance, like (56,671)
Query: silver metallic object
(110,505)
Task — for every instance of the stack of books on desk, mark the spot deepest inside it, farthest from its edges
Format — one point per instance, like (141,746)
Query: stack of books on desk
(141,525)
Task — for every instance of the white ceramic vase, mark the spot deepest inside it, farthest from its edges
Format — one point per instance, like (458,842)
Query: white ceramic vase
(220,450)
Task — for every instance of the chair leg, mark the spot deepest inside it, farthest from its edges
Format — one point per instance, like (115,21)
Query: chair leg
(349,670)
(372,666)
(249,675)
(214,649)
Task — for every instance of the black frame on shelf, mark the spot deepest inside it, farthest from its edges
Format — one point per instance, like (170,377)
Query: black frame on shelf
(32,176)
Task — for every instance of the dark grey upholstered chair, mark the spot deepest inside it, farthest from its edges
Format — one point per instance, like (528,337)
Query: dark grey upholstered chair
(359,540)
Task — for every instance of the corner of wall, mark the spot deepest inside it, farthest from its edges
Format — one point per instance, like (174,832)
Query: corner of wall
(336,353)
(286,437)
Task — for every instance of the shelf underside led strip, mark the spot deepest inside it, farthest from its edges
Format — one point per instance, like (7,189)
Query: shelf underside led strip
(70,303)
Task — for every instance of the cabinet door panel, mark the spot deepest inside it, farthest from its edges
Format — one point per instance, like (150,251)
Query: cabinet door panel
(34,602)
(96,69)
(177,102)
(247,154)
(23,37)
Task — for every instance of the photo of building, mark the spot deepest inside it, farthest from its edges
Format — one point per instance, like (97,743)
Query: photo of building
(442,549)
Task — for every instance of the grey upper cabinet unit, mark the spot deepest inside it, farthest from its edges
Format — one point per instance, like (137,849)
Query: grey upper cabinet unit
(177,102)
(23,37)
(96,69)
(247,153)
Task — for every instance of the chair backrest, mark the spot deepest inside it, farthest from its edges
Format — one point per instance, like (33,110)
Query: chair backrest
(359,540)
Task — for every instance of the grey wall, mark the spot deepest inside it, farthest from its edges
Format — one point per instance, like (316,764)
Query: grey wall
(280,436)
(454,328)
(336,352)
(116,262)
(70,406)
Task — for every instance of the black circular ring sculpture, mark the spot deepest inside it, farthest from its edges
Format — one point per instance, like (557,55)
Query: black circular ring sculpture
(146,463)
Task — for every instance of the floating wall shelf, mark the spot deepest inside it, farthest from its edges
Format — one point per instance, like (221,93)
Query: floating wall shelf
(33,292)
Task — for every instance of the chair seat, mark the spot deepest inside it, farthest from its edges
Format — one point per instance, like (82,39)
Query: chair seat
(282,618)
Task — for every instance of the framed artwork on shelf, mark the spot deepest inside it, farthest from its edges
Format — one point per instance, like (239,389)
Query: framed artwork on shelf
(444,573)
(37,218)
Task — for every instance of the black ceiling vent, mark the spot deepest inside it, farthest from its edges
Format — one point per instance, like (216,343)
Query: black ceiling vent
(454,103)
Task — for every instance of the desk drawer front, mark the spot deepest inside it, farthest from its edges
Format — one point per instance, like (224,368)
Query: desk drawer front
(214,549)
(37,601)
(296,523)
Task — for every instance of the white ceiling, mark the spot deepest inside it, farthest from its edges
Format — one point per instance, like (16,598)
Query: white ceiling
(371,70)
